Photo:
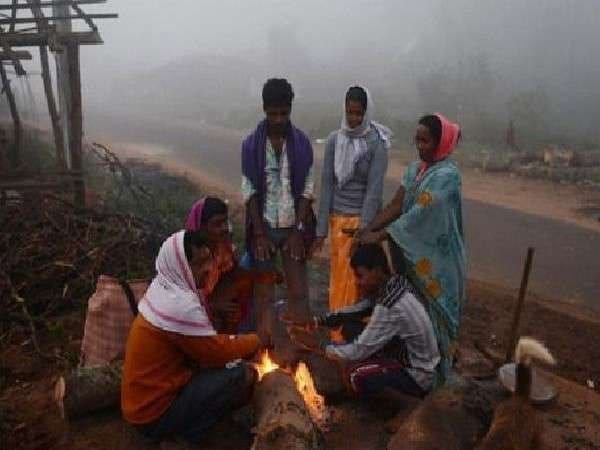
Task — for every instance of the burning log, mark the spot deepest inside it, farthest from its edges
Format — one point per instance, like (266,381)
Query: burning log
(283,420)
(88,389)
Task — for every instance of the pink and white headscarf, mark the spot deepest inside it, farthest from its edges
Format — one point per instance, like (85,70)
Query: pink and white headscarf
(172,302)
(194,218)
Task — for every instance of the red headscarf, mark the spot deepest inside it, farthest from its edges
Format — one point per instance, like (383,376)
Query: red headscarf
(448,141)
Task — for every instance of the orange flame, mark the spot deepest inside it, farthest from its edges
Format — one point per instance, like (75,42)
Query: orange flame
(314,402)
(265,365)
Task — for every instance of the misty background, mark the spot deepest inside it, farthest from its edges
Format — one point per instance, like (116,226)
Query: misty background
(535,62)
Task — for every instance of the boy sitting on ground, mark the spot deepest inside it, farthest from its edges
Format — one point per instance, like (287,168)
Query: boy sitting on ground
(396,349)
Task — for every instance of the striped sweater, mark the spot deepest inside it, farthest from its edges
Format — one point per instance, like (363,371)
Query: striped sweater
(399,328)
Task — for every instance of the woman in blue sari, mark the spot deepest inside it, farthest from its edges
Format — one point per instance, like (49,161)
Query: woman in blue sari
(425,220)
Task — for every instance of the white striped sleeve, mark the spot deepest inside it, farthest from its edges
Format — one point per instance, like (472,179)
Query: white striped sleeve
(381,328)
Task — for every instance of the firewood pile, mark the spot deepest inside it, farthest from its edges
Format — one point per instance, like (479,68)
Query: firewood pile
(52,253)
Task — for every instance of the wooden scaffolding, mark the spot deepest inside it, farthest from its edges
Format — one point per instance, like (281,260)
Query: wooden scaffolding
(47,25)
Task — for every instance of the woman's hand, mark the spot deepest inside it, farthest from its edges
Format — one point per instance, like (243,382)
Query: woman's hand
(317,246)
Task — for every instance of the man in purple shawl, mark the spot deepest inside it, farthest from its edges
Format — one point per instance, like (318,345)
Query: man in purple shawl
(277,187)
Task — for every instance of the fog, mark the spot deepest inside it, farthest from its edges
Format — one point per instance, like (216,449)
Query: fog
(534,62)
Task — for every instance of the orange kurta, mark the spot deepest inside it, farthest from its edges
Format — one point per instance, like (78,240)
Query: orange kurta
(155,366)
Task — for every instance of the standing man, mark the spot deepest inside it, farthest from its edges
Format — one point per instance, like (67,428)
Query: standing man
(277,188)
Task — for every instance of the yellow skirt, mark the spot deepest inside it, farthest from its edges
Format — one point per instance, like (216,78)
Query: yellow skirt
(342,284)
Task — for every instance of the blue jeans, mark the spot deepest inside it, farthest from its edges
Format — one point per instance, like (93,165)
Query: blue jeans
(208,396)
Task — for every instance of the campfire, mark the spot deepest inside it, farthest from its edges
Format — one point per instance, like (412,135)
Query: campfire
(265,365)
(315,403)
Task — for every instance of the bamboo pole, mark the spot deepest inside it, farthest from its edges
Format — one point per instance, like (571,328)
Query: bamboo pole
(514,329)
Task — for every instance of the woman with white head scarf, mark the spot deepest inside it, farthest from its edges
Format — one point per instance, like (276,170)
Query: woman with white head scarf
(354,167)
(180,376)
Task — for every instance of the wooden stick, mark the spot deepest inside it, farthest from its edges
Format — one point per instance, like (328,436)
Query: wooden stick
(514,329)
(15,54)
(50,4)
(76,122)
(15,152)
(57,131)
(13,15)
(20,20)
(36,39)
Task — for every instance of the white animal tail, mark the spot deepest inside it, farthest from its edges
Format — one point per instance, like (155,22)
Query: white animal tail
(529,349)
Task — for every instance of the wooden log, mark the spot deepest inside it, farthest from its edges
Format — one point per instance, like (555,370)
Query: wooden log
(454,417)
(88,389)
(283,421)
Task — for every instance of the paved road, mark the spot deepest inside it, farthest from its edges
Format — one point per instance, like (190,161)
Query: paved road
(567,260)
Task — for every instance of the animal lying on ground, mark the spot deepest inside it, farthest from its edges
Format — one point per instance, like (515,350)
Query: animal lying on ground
(516,425)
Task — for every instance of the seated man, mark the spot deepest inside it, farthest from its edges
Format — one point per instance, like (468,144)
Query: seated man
(179,375)
(397,348)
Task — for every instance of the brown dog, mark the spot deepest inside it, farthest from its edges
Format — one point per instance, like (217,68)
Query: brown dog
(516,425)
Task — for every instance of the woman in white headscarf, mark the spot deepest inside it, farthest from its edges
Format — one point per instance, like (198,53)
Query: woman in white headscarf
(354,167)
(180,376)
